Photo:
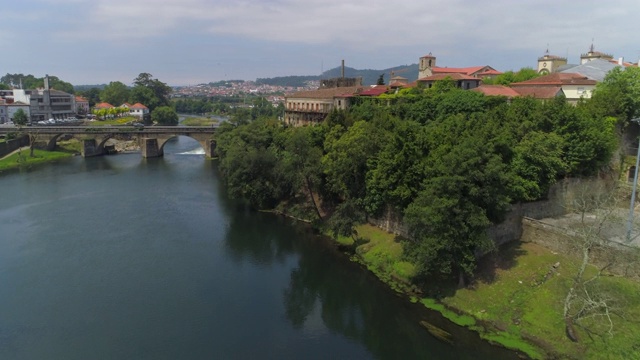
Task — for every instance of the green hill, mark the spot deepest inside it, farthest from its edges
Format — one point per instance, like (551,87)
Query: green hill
(369,76)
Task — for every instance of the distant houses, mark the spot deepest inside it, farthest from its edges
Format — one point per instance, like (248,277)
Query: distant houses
(558,78)
(47,103)
(105,109)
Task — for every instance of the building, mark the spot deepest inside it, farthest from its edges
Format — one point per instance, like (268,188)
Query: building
(596,69)
(82,105)
(4,118)
(139,110)
(46,103)
(15,106)
(103,105)
(592,55)
(461,81)
(427,67)
(497,90)
(550,63)
(574,86)
(311,107)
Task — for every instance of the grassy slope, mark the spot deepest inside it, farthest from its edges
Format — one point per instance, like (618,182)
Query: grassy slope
(199,121)
(64,149)
(511,304)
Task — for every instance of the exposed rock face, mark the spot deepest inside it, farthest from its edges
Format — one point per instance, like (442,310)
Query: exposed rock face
(124,145)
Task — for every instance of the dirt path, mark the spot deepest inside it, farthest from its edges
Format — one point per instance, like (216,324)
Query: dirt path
(15,151)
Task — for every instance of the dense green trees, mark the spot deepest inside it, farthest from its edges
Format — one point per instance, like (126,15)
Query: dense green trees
(164,115)
(116,93)
(450,161)
(509,77)
(20,117)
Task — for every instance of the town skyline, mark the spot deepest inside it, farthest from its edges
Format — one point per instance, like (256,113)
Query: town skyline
(198,41)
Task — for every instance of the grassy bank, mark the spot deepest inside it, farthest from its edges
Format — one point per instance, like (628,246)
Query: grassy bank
(117,121)
(199,121)
(517,300)
(22,159)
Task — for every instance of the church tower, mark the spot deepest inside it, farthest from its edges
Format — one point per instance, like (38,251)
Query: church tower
(550,63)
(592,55)
(425,65)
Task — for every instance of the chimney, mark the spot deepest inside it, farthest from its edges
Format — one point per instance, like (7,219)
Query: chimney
(342,72)
(46,82)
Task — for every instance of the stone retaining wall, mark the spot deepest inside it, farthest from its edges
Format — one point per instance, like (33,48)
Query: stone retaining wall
(559,200)
(8,146)
(626,259)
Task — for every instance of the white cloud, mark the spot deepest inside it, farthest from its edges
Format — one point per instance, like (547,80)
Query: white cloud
(373,24)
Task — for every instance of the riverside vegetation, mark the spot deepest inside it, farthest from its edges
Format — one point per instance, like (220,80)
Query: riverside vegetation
(450,162)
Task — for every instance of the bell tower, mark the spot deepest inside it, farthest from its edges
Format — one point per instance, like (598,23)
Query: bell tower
(550,63)
(425,66)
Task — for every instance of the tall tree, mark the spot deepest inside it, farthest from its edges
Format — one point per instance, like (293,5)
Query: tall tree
(116,93)
(160,90)
(92,95)
(20,117)
(301,162)
(164,115)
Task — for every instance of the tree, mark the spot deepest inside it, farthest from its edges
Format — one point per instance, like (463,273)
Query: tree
(116,93)
(164,115)
(249,162)
(618,95)
(145,96)
(92,95)
(462,194)
(509,77)
(20,117)
(302,162)
(380,80)
(159,90)
(587,303)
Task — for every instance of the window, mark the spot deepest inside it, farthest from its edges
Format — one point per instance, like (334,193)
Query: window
(581,91)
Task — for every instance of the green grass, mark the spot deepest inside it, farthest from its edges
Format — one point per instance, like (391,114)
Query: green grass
(199,121)
(511,304)
(40,156)
(116,121)
(462,320)
(513,298)
(513,342)
(382,255)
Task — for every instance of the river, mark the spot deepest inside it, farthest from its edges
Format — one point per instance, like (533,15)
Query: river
(120,257)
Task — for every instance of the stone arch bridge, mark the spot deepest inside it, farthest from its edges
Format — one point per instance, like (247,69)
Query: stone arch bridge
(151,138)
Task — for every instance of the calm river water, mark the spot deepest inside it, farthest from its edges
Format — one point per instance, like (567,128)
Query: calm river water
(120,257)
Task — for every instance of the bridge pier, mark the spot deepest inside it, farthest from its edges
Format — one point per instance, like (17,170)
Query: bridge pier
(149,148)
(90,147)
(209,146)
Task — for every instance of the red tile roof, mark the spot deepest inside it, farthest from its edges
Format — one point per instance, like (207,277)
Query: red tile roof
(452,76)
(376,90)
(558,79)
(137,106)
(81,99)
(490,72)
(496,90)
(104,105)
(327,93)
(466,71)
(538,92)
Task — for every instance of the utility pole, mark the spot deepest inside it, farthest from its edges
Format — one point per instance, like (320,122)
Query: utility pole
(633,192)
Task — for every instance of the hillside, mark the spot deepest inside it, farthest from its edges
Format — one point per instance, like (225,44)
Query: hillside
(369,76)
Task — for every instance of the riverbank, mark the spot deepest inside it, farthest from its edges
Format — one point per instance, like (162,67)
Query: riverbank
(21,158)
(513,301)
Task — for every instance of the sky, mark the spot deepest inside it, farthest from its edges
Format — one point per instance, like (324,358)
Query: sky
(187,42)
